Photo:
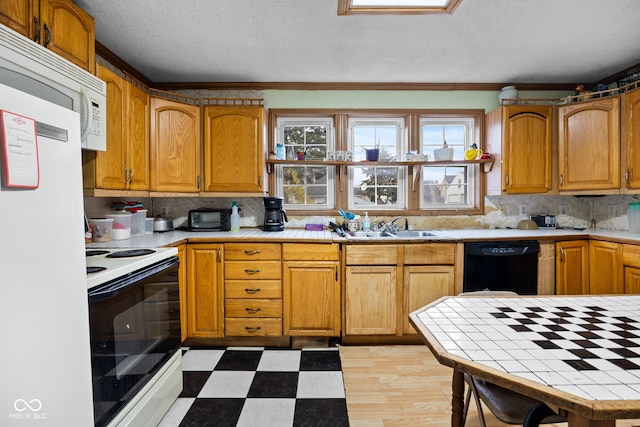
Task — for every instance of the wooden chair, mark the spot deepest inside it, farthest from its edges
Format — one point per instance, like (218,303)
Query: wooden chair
(508,406)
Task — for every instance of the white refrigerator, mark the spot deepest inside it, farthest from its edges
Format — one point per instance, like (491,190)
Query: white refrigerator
(45,368)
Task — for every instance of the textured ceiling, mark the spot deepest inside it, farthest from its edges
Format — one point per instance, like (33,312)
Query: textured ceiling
(484,41)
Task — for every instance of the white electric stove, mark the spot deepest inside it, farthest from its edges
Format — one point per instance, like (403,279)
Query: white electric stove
(107,264)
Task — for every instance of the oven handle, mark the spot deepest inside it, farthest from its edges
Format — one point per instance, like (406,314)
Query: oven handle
(116,287)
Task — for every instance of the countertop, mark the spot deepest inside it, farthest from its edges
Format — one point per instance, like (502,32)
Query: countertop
(294,235)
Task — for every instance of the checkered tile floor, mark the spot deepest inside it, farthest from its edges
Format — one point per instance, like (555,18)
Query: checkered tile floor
(256,386)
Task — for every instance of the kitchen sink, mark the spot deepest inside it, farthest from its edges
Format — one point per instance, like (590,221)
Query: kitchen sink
(402,234)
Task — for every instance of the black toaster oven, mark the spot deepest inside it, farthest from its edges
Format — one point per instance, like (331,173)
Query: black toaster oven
(209,220)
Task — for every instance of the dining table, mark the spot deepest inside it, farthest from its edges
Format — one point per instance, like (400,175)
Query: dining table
(578,354)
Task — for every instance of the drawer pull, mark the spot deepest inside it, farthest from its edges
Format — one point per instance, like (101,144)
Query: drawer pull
(252,271)
(254,252)
(252,310)
(252,291)
(252,329)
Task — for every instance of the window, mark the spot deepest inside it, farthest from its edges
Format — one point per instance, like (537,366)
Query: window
(375,187)
(302,186)
(382,187)
(448,187)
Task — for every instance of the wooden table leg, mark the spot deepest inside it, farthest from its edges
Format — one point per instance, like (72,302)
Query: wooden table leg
(457,399)
(575,420)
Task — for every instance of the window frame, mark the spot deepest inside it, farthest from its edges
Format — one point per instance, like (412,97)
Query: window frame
(412,130)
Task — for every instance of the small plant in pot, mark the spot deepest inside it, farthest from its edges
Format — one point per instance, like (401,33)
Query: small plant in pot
(373,154)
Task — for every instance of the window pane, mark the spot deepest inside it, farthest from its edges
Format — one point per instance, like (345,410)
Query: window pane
(376,186)
(433,136)
(310,139)
(447,187)
(384,137)
(305,185)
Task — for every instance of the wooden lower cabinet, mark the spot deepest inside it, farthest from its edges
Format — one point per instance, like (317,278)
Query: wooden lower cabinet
(379,298)
(606,275)
(252,290)
(572,267)
(204,290)
(311,289)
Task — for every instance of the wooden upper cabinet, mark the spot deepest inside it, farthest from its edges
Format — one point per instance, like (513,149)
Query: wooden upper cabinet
(59,25)
(589,145)
(125,163)
(521,140)
(175,146)
(632,138)
(234,149)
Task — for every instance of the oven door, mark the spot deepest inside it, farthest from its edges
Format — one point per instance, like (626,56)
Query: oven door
(135,329)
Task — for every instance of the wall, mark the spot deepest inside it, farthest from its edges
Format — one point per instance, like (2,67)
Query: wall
(608,211)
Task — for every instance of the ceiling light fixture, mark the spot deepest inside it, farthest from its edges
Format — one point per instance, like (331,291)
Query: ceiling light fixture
(414,7)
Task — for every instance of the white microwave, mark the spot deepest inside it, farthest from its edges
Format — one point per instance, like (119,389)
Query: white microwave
(33,69)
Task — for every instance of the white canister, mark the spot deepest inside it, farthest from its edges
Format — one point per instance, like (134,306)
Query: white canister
(508,92)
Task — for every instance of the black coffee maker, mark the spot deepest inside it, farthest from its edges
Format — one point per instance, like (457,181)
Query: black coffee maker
(274,215)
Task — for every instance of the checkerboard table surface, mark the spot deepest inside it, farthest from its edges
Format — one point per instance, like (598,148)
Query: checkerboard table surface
(587,346)
(260,386)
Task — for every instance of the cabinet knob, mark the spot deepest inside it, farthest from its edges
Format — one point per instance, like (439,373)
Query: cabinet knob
(252,271)
(251,310)
(252,290)
(36,37)
(47,36)
(252,329)
(561,180)
(254,252)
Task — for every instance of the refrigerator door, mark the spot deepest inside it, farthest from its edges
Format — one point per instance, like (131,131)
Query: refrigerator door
(44,321)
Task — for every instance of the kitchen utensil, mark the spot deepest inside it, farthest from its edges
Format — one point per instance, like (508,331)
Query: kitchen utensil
(161,224)
(274,214)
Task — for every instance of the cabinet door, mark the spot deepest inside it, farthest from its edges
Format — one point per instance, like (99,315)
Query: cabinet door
(204,291)
(631,280)
(311,294)
(19,15)
(572,268)
(423,285)
(370,300)
(589,145)
(175,146)
(527,149)
(233,149)
(69,32)
(110,165)
(605,268)
(137,135)
(632,137)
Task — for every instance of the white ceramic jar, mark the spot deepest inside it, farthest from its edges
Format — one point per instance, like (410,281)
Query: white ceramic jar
(508,92)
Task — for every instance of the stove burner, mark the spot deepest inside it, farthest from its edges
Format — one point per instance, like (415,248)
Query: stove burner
(130,253)
(96,252)
(91,270)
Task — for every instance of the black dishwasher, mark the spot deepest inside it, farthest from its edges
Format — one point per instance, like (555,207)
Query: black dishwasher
(501,266)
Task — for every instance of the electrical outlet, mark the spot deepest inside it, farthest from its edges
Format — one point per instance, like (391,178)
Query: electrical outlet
(502,209)
(523,210)
(612,211)
(164,212)
(564,209)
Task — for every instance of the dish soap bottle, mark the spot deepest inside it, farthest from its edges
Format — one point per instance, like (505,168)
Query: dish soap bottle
(235,217)
(366,222)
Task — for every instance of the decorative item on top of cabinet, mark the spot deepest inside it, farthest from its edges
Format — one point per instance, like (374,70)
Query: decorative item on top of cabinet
(59,25)
(572,267)
(631,127)
(175,147)
(253,289)
(311,289)
(125,163)
(521,141)
(589,145)
(205,290)
(234,148)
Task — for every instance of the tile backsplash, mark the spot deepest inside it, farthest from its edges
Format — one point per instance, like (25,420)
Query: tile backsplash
(608,212)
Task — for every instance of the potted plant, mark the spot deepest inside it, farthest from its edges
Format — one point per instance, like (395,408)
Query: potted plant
(373,154)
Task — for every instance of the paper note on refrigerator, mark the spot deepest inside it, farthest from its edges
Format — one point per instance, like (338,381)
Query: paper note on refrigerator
(20,164)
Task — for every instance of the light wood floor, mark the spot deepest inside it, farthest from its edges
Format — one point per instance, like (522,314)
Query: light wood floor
(404,386)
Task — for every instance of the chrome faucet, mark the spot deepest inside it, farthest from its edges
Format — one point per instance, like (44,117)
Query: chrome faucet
(390,226)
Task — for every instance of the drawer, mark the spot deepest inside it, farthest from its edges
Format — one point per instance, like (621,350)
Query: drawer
(242,327)
(631,255)
(252,251)
(372,255)
(249,289)
(430,253)
(256,270)
(310,252)
(253,307)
